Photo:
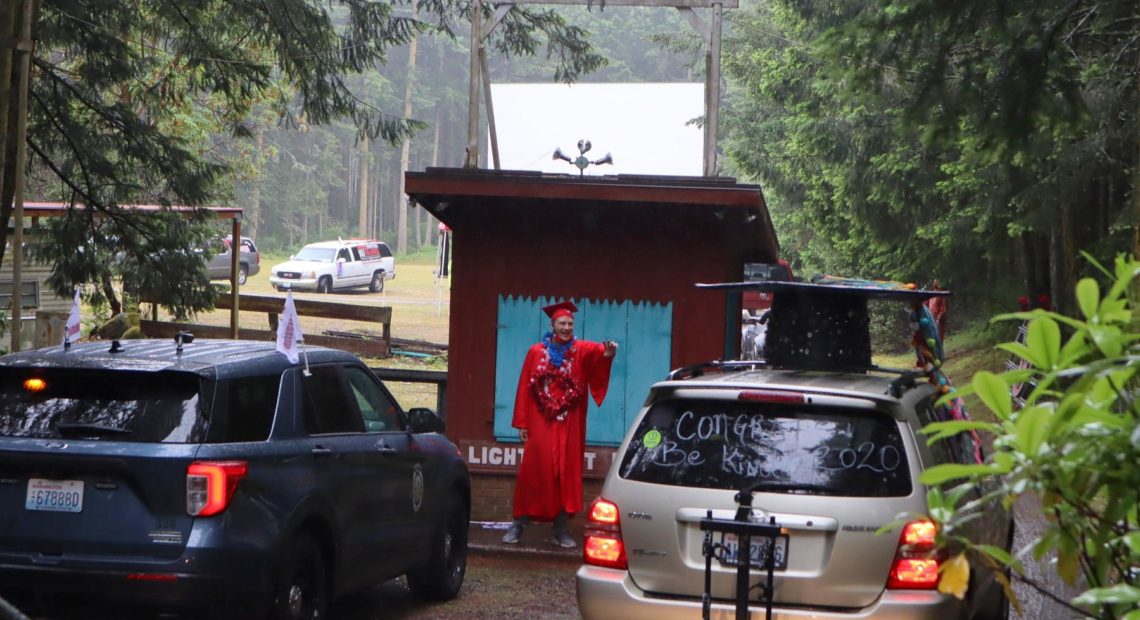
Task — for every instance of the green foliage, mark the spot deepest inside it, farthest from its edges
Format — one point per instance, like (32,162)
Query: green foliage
(146,250)
(977,143)
(154,102)
(1074,445)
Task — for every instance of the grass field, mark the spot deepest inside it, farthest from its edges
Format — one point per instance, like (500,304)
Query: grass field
(420,303)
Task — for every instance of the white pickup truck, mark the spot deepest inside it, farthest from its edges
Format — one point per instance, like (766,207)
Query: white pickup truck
(336,265)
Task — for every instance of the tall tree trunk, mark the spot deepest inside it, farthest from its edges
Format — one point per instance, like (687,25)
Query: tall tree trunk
(1062,261)
(254,215)
(113,299)
(434,162)
(9,79)
(1134,290)
(401,203)
(1036,246)
(362,221)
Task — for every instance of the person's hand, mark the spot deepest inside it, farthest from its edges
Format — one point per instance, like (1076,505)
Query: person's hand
(522,434)
(611,348)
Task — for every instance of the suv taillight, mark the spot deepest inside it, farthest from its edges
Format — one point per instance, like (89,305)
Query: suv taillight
(917,559)
(211,484)
(604,546)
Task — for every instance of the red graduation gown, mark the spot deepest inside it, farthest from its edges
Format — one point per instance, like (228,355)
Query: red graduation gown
(550,475)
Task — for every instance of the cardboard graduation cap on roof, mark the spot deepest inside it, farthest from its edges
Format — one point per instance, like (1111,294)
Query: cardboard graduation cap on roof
(824,323)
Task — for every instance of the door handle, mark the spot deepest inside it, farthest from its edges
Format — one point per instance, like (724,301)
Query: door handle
(383,448)
(322,451)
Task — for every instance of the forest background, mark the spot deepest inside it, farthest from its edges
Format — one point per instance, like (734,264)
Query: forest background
(983,144)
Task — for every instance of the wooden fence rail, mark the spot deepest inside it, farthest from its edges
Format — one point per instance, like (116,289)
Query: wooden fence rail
(407,375)
(272,305)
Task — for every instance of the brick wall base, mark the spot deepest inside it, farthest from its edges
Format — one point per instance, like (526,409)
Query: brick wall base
(492,495)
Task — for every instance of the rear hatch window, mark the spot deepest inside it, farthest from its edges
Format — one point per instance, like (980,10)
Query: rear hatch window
(118,405)
(790,448)
(830,473)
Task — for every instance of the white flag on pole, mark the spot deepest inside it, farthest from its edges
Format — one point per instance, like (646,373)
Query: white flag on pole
(289,330)
(72,327)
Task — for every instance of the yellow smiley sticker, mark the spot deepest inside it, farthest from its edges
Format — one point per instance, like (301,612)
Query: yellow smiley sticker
(652,439)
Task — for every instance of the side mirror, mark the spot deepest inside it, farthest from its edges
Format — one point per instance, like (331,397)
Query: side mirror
(340,260)
(422,420)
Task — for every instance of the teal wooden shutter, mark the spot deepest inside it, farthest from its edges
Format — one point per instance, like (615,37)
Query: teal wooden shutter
(643,332)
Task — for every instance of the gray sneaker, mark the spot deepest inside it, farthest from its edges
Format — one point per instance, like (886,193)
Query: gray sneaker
(562,539)
(513,534)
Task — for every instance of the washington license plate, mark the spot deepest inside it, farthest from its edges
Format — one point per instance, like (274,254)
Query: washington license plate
(54,495)
(758,552)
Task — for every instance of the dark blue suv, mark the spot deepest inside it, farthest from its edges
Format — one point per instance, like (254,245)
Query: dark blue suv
(215,475)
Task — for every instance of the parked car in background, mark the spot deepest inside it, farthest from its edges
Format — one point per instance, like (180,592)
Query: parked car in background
(336,265)
(214,476)
(249,261)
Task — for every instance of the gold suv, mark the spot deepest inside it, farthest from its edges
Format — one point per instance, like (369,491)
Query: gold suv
(805,455)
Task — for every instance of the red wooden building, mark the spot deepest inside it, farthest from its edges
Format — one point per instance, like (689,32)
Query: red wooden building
(626,249)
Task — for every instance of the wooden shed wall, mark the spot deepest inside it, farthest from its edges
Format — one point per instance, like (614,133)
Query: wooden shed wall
(34,271)
(599,251)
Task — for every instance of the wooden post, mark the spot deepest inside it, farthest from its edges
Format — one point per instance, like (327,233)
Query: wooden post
(25,46)
(486,73)
(7,54)
(472,157)
(712,92)
(235,255)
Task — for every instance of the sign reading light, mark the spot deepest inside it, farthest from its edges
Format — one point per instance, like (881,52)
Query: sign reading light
(35,385)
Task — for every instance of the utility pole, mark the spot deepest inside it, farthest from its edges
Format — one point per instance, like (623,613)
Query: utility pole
(471,159)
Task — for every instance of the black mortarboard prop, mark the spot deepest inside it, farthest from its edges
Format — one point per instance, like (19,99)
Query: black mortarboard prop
(825,323)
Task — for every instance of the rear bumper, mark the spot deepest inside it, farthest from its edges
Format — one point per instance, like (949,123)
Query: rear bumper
(610,593)
(224,581)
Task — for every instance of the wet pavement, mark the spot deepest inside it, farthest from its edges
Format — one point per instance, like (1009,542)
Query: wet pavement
(530,580)
(485,538)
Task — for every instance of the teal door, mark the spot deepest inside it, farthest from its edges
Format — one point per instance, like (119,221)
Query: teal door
(643,331)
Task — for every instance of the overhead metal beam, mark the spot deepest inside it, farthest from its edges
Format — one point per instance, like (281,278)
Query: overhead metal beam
(693,4)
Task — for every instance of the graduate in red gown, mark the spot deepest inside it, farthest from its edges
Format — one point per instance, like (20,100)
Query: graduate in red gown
(557,376)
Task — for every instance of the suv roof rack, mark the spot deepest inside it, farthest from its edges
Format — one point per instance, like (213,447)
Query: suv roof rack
(906,378)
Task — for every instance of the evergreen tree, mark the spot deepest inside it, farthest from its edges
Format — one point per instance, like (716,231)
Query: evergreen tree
(123,95)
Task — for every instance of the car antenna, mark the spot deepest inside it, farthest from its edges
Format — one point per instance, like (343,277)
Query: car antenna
(180,338)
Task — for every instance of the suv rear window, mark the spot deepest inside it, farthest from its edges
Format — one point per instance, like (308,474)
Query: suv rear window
(116,405)
(248,409)
(809,449)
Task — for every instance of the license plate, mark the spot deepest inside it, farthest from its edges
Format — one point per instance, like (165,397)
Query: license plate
(759,555)
(55,495)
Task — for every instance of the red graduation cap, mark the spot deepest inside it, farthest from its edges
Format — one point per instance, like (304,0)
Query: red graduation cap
(560,309)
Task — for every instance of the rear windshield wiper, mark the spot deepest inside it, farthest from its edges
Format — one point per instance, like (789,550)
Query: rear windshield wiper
(66,429)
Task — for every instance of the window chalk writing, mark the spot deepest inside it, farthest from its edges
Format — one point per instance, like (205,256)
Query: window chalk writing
(756,445)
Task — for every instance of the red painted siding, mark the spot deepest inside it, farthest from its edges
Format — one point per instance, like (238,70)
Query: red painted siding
(634,240)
